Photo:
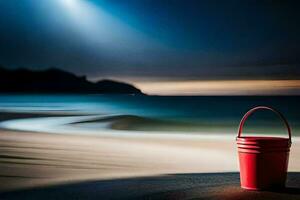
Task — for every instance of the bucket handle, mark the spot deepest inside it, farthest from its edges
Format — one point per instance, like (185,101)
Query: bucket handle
(245,117)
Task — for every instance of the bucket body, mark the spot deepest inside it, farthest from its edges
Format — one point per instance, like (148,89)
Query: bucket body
(263,162)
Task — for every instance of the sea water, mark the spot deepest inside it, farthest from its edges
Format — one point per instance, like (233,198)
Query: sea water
(169,114)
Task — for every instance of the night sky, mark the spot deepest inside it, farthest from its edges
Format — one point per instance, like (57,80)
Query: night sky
(151,40)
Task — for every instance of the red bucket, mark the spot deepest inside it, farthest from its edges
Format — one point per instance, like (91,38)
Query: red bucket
(263,160)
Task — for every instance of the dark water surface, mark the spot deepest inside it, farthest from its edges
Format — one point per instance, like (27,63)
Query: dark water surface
(164,113)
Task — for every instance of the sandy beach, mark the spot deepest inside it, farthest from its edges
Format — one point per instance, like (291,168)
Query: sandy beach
(40,160)
(32,159)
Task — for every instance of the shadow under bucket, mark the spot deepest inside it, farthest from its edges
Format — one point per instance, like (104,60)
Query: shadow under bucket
(263,160)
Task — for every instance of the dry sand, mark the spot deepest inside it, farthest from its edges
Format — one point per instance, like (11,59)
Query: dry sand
(30,160)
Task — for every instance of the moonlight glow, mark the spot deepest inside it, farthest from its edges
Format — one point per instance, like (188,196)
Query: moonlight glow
(70,3)
(102,30)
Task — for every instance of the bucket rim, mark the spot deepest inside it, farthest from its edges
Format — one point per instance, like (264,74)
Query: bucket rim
(263,142)
(261,138)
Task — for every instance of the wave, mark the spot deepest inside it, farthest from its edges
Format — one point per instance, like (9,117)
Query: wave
(117,126)
(110,125)
(139,123)
(94,124)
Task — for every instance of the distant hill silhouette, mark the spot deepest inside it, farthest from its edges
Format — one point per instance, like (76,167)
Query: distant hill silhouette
(54,80)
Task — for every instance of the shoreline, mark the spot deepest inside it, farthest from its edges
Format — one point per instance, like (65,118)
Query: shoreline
(67,124)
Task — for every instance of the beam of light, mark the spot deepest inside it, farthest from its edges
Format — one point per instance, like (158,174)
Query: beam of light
(101,28)
(89,21)
(223,87)
(70,3)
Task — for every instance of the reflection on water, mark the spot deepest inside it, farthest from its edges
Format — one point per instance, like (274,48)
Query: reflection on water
(146,113)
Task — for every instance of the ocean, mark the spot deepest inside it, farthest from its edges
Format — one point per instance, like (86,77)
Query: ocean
(89,114)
